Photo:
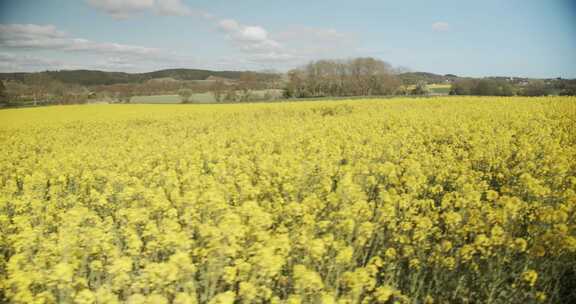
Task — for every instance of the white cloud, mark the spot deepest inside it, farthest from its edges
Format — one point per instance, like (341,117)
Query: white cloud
(30,31)
(18,62)
(254,33)
(286,49)
(22,39)
(261,49)
(111,48)
(256,44)
(311,43)
(229,25)
(33,36)
(172,8)
(122,9)
(440,26)
(248,38)
(257,49)
(25,63)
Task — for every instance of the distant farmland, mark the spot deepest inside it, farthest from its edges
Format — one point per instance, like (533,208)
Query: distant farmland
(207,97)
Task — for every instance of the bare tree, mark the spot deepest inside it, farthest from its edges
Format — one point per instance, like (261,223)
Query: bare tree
(231,95)
(185,95)
(71,94)
(535,88)
(121,93)
(420,89)
(248,82)
(3,93)
(359,76)
(217,89)
(39,85)
(16,91)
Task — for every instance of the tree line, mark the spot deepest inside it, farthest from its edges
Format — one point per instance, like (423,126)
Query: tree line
(42,89)
(352,77)
(502,87)
(363,76)
(39,89)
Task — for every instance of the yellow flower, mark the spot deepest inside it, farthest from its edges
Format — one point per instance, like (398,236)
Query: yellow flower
(530,277)
(345,255)
(223,298)
(449,262)
(520,244)
(491,195)
(248,291)
(383,294)
(414,263)
(446,245)
(307,279)
(85,297)
(391,253)
(136,299)
(184,298)
(294,299)
(287,202)
(327,298)
(317,248)
(157,299)
(541,296)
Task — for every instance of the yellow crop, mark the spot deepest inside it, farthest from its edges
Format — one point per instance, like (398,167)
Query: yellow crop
(442,200)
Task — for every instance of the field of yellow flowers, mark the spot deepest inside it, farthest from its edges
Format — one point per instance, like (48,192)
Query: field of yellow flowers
(441,200)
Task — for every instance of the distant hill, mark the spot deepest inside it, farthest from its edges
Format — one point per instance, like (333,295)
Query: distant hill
(91,77)
(191,74)
(409,78)
(94,77)
(415,77)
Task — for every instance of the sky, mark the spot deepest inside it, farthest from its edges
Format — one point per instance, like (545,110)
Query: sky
(526,38)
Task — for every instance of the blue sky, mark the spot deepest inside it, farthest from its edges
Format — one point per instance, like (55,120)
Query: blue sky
(532,38)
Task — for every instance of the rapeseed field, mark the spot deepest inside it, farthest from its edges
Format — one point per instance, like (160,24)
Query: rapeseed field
(439,200)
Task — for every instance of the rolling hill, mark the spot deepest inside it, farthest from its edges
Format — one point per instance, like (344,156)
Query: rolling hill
(93,77)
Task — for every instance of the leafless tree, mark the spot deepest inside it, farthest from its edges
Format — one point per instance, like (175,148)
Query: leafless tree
(217,88)
(39,86)
(355,77)
(121,93)
(185,95)
(3,93)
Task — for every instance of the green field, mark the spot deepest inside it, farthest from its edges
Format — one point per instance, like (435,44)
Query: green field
(434,88)
(196,98)
(439,89)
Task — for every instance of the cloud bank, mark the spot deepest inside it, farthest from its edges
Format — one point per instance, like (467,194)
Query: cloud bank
(253,46)
(23,39)
(122,9)
(34,36)
(257,46)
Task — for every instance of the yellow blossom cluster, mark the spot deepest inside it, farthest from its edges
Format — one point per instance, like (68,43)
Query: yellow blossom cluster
(440,200)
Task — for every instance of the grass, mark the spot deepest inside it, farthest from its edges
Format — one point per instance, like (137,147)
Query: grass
(439,89)
(196,98)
